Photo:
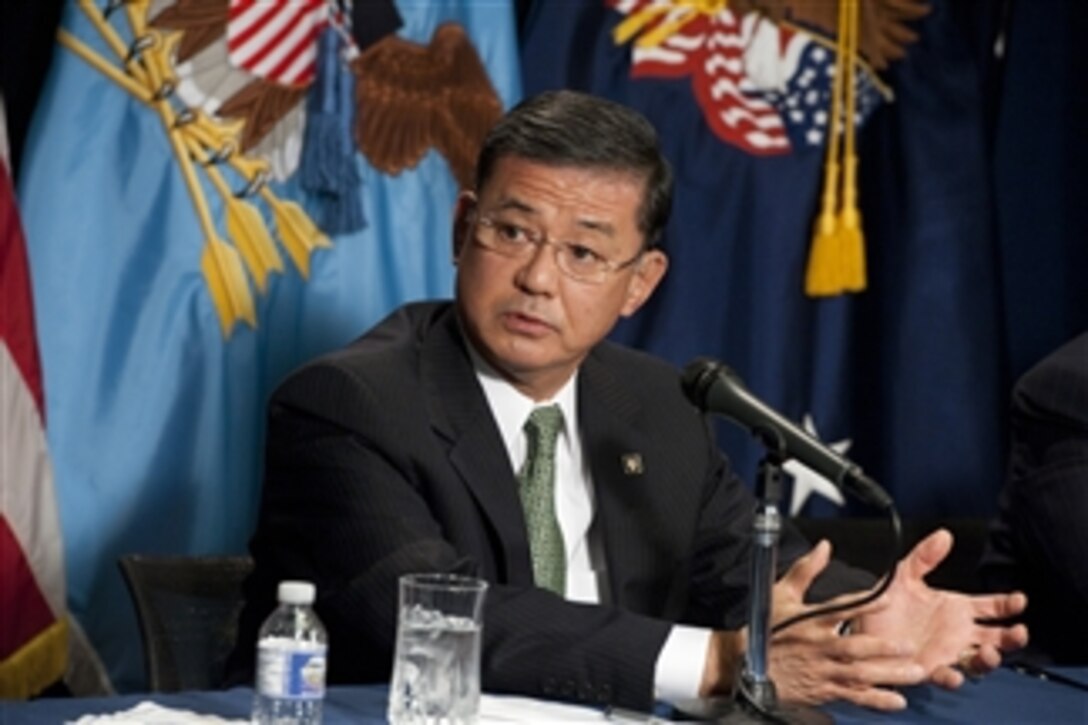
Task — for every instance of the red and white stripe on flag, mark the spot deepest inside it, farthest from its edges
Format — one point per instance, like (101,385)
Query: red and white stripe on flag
(34,625)
(711,49)
(276,41)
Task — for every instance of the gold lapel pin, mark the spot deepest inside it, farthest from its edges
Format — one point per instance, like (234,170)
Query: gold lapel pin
(632,463)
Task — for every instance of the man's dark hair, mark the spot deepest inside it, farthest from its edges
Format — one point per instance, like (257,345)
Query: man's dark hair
(567,128)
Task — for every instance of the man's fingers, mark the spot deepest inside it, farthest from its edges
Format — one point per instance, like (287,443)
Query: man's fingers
(928,553)
(987,659)
(877,698)
(947,677)
(830,620)
(1013,638)
(879,672)
(858,647)
(862,683)
(805,570)
(861,660)
(866,682)
(979,661)
(1006,639)
(872,697)
(999,606)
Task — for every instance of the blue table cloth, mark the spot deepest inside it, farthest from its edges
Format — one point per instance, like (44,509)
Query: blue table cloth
(1054,695)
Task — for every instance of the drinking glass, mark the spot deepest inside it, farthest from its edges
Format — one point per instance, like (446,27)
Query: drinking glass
(436,665)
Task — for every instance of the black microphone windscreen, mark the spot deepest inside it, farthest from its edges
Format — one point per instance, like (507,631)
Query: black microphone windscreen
(697,378)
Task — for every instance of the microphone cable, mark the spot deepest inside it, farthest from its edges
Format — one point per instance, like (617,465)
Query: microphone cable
(882,585)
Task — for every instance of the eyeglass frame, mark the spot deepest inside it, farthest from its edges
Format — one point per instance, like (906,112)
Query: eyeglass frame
(537,240)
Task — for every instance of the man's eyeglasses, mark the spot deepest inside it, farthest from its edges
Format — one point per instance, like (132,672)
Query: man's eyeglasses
(577,260)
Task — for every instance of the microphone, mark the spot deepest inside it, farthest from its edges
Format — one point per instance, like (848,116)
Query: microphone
(714,388)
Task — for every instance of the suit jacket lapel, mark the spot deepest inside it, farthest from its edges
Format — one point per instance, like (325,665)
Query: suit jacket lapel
(610,416)
(459,413)
(641,529)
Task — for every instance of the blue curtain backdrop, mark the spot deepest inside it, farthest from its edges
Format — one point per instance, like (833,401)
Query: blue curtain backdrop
(975,241)
(1041,178)
(155,420)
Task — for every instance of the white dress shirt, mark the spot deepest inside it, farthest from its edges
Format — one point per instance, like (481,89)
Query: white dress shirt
(679,668)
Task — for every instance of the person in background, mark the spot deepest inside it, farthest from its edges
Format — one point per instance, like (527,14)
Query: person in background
(1039,541)
(500,435)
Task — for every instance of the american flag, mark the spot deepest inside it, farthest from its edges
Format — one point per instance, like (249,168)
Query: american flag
(806,99)
(762,87)
(276,41)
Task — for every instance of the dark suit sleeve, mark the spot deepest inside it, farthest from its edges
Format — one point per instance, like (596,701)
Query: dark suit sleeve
(351,503)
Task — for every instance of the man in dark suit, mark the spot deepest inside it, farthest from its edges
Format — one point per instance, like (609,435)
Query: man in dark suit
(410,451)
(1039,542)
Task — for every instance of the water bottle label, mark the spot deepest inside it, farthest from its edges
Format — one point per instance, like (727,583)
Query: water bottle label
(291,673)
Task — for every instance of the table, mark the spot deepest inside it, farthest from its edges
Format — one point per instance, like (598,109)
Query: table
(355,704)
(1005,696)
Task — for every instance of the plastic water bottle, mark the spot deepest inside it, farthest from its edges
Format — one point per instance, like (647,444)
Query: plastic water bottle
(291,651)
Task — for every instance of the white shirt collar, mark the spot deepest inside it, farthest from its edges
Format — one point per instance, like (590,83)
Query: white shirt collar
(574,485)
(511,408)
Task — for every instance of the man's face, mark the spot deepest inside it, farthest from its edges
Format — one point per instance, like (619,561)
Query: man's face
(532,322)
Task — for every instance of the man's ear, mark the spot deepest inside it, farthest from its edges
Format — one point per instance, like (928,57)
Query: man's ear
(462,221)
(649,271)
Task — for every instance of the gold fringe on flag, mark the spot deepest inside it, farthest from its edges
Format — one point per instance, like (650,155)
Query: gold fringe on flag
(836,261)
(853,243)
(36,665)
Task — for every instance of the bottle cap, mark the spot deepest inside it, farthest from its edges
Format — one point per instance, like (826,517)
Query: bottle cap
(293,592)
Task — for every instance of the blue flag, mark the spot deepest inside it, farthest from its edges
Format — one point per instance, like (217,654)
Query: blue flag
(902,376)
(181,268)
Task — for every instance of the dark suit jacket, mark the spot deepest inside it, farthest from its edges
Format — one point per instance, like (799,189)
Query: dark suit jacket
(384,459)
(1039,542)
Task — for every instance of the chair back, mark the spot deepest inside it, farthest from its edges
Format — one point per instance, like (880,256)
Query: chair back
(187,608)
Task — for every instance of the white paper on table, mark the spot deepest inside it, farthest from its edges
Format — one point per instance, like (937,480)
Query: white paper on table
(150,713)
(493,708)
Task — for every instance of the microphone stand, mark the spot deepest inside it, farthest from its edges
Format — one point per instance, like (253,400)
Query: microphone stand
(754,697)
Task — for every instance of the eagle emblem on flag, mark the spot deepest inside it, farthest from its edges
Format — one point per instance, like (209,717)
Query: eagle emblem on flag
(251,92)
(762,70)
(258,61)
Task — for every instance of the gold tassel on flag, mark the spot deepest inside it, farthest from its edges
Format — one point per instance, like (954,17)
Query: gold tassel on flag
(837,259)
(822,278)
(852,240)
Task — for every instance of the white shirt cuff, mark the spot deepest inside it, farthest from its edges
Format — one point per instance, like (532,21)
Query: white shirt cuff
(680,664)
